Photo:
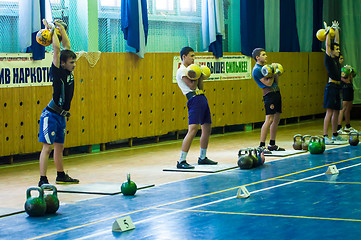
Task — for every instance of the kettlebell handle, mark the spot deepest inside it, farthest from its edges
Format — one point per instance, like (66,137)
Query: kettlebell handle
(45,187)
(354,133)
(306,136)
(40,190)
(297,136)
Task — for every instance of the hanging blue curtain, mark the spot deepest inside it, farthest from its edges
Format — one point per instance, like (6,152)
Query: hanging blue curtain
(252,26)
(213,29)
(31,13)
(134,24)
(317,24)
(272,24)
(288,28)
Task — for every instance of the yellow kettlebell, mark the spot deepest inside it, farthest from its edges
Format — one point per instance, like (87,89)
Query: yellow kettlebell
(206,72)
(194,72)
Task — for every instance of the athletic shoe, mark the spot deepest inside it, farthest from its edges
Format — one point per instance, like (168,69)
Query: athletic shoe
(328,140)
(66,179)
(275,148)
(350,129)
(41,182)
(342,132)
(184,165)
(339,139)
(206,161)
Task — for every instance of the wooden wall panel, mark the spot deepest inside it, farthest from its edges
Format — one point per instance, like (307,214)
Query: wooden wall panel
(74,124)
(28,122)
(5,129)
(116,118)
(43,95)
(317,79)
(2,120)
(252,102)
(81,116)
(160,86)
(125,111)
(124,97)
(10,111)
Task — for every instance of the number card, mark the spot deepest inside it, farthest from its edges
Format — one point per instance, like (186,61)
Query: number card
(123,224)
(332,170)
(243,192)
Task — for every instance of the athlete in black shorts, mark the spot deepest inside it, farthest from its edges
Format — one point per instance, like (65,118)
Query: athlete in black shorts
(332,98)
(347,98)
(271,97)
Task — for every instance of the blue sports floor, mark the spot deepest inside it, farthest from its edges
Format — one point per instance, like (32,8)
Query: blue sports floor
(291,198)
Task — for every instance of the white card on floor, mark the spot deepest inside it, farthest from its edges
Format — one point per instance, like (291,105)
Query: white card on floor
(243,192)
(332,170)
(123,224)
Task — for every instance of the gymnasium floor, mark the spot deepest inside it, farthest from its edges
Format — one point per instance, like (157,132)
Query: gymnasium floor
(291,197)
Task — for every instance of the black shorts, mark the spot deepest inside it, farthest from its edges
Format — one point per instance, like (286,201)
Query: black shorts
(272,103)
(332,97)
(347,93)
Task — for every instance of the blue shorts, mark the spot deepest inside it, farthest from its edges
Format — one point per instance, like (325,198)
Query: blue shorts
(272,103)
(332,97)
(198,110)
(51,127)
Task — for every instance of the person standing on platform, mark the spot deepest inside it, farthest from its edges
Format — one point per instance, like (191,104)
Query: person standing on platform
(190,81)
(332,98)
(266,76)
(52,120)
(347,98)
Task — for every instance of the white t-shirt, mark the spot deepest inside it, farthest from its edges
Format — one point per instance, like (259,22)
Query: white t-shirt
(181,72)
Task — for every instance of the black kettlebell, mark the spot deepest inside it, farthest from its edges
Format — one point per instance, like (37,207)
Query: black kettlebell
(297,142)
(52,201)
(353,138)
(253,154)
(305,142)
(35,206)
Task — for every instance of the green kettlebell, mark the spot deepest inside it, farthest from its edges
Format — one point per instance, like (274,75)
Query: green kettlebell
(305,141)
(129,187)
(323,142)
(354,138)
(297,142)
(35,206)
(314,146)
(346,71)
(244,160)
(52,201)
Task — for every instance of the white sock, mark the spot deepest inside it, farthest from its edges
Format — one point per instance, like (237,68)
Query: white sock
(203,153)
(183,156)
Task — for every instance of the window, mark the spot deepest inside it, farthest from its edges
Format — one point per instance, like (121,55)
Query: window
(188,6)
(164,5)
(110,3)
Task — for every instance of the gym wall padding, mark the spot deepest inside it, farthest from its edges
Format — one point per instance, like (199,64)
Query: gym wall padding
(124,97)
